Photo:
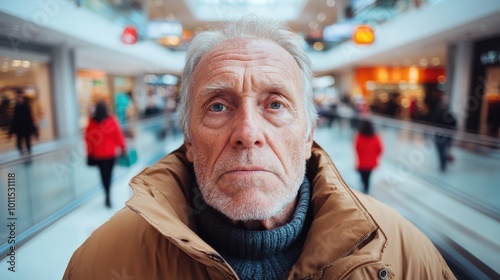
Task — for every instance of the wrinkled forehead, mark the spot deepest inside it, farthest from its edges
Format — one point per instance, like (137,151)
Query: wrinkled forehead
(248,52)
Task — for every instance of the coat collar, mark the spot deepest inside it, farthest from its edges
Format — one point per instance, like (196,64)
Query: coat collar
(162,196)
(340,222)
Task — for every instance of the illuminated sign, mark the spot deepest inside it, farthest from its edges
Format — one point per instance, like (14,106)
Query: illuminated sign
(338,31)
(129,35)
(363,35)
(164,28)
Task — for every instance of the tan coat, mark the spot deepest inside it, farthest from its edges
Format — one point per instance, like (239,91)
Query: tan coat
(352,236)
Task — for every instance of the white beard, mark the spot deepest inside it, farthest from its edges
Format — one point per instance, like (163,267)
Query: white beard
(255,205)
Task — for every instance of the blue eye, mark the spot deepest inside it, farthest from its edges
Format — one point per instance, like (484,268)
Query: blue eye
(217,107)
(276,105)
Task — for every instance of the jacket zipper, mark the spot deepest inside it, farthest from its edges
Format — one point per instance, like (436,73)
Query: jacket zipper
(225,275)
(135,210)
(322,270)
(357,245)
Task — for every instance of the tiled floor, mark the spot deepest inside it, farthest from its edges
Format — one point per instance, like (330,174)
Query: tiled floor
(47,254)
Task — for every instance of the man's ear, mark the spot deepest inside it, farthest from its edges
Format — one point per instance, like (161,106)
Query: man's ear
(309,143)
(189,150)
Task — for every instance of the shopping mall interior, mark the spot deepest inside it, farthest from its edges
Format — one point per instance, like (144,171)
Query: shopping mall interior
(395,59)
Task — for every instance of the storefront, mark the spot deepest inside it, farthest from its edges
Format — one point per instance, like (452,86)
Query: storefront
(401,92)
(91,86)
(29,71)
(162,93)
(484,93)
(116,91)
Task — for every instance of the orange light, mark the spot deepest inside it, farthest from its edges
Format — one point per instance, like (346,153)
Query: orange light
(363,35)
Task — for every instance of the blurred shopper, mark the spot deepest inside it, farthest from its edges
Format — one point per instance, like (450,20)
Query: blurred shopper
(360,110)
(122,102)
(126,111)
(493,117)
(4,110)
(368,150)
(152,107)
(441,117)
(414,110)
(236,201)
(103,136)
(23,124)
(392,106)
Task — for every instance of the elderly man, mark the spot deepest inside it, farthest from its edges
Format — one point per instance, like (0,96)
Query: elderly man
(250,195)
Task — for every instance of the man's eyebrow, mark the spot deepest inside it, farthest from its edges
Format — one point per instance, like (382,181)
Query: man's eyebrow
(217,87)
(221,86)
(274,86)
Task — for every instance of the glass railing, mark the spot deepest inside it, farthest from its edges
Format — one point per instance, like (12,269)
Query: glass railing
(123,13)
(472,169)
(456,208)
(55,179)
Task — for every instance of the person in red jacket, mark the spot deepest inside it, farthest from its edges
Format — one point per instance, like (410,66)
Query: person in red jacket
(368,150)
(103,136)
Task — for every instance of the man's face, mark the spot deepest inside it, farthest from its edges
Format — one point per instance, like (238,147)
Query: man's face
(248,128)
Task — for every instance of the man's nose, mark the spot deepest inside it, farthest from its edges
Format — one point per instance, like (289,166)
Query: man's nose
(248,129)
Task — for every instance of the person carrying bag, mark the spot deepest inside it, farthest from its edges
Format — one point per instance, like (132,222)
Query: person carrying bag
(128,159)
(103,136)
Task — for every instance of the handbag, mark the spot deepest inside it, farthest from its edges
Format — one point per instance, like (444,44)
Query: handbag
(91,161)
(128,159)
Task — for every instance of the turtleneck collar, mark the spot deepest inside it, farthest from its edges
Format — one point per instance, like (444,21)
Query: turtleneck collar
(236,245)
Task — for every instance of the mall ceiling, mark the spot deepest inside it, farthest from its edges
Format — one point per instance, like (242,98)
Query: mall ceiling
(95,56)
(307,16)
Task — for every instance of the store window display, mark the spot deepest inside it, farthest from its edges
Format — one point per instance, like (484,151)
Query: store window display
(30,73)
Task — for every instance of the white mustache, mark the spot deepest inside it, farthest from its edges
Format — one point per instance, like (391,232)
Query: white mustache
(244,159)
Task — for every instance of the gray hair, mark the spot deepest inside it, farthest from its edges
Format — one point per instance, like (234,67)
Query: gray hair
(253,27)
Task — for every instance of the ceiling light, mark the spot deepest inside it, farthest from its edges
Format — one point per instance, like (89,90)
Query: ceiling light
(330,3)
(313,25)
(405,102)
(26,64)
(435,61)
(383,96)
(170,40)
(318,46)
(423,62)
(321,17)
(16,63)
(323,81)
(370,85)
(413,74)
